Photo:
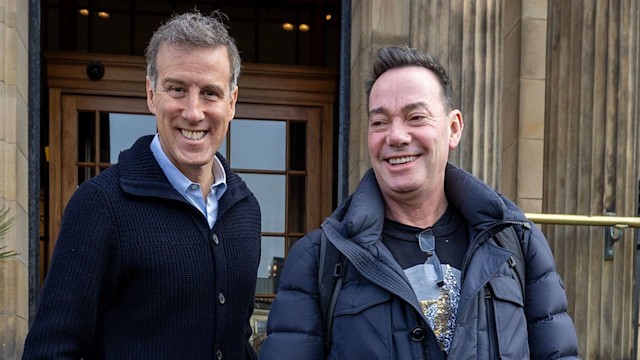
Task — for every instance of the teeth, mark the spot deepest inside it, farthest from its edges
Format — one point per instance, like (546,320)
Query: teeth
(193,135)
(402,160)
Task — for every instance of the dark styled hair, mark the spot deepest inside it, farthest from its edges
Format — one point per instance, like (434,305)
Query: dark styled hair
(394,57)
(192,30)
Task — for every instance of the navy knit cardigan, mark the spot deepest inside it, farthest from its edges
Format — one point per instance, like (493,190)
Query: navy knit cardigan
(138,274)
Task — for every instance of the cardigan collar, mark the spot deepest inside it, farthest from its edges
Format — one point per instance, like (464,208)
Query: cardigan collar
(141,175)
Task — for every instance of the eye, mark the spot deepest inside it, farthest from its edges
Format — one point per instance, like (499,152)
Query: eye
(417,117)
(176,91)
(210,94)
(377,123)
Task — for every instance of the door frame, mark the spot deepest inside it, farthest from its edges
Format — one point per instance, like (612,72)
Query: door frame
(259,84)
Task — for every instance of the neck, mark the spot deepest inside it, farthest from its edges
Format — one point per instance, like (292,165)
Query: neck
(202,175)
(420,212)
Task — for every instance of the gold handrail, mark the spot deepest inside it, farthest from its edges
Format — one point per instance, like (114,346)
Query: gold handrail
(561,219)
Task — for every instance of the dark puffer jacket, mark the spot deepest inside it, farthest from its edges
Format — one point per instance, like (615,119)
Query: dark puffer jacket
(377,315)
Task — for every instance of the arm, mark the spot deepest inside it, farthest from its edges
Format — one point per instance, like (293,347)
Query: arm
(551,330)
(294,328)
(74,290)
(250,353)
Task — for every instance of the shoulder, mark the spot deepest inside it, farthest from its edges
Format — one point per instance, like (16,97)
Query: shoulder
(95,191)
(307,246)
(302,259)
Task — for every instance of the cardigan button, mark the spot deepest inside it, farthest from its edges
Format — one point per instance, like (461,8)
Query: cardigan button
(215,239)
(218,354)
(417,333)
(221,298)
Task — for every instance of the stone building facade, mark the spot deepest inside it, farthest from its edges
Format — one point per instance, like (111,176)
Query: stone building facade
(548,91)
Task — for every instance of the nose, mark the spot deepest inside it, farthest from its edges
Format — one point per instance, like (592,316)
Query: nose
(398,135)
(193,110)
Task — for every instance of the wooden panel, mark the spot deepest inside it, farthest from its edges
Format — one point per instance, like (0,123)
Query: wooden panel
(591,163)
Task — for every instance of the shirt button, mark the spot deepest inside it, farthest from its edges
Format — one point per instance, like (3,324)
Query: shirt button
(221,298)
(214,237)
(193,187)
(218,354)
(417,333)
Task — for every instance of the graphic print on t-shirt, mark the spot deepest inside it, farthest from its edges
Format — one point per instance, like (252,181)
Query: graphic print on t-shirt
(439,304)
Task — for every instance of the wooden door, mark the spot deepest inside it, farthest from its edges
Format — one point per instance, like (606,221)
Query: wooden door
(273,147)
(280,141)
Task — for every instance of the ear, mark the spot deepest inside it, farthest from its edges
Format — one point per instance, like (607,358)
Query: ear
(456,125)
(150,97)
(232,103)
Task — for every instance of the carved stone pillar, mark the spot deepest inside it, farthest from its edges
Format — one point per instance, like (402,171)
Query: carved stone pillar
(466,35)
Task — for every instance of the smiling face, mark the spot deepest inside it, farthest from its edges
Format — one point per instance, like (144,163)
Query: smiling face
(410,134)
(193,106)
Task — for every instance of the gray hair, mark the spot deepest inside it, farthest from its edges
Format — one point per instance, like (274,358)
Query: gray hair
(192,30)
(394,57)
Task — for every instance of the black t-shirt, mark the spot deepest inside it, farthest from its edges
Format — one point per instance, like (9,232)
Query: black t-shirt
(439,303)
(452,239)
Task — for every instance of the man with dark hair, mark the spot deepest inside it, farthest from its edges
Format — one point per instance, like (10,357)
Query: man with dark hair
(157,256)
(437,263)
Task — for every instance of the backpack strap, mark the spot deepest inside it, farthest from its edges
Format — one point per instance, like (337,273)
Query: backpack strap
(512,241)
(330,274)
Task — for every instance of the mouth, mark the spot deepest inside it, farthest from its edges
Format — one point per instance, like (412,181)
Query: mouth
(192,135)
(402,160)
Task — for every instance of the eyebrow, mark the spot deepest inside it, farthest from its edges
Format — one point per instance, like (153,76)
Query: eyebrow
(170,80)
(405,109)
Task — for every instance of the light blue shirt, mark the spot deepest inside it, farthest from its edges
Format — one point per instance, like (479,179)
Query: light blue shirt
(190,190)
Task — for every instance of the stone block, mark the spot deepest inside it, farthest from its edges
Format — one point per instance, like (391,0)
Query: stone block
(530,167)
(532,102)
(534,9)
(534,49)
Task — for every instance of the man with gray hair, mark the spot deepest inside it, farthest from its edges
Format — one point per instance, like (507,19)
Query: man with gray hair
(157,256)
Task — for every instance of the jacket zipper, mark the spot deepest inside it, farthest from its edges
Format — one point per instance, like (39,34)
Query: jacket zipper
(491,324)
(425,349)
(476,240)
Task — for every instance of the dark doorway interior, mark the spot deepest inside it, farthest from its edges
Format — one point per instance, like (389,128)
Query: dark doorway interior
(287,32)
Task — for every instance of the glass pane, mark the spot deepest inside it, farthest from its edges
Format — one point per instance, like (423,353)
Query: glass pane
(258,144)
(297,203)
(223,148)
(104,155)
(86,136)
(298,145)
(125,129)
(271,262)
(270,192)
(85,173)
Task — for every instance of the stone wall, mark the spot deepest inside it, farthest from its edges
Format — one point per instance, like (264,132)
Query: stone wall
(14,284)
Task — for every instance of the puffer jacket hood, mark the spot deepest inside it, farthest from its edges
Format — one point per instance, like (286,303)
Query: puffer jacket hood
(361,216)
